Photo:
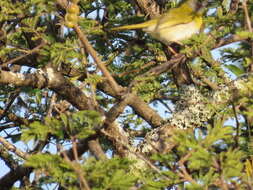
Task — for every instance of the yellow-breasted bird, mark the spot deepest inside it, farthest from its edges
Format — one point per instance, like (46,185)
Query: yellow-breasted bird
(174,26)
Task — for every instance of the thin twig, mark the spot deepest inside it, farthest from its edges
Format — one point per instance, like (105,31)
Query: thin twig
(245,9)
(13,148)
(138,70)
(11,99)
(226,41)
(90,50)
(237,125)
(165,105)
(73,139)
(92,87)
(34,50)
(223,184)
(83,183)
(184,173)
(101,65)
(51,104)
(248,20)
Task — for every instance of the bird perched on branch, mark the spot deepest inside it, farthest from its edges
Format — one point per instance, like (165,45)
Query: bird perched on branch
(175,25)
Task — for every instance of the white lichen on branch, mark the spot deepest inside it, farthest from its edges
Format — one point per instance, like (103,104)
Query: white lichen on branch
(192,110)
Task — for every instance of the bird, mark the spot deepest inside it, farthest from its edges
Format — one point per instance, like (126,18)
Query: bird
(176,25)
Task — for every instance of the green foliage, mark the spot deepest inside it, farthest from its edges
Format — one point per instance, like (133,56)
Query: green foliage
(235,70)
(107,174)
(249,170)
(63,52)
(55,168)
(79,124)
(206,156)
(110,174)
(147,87)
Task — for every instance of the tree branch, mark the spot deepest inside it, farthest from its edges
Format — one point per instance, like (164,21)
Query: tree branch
(49,78)
(8,180)
(13,148)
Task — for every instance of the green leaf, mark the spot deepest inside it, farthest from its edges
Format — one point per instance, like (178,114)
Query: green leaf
(234,69)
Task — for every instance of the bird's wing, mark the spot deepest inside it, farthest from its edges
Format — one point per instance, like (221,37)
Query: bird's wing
(175,17)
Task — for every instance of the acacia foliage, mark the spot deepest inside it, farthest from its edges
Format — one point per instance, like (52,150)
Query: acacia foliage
(75,109)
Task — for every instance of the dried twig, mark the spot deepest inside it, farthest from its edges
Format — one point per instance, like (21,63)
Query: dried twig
(247,17)
(237,124)
(13,148)
(83,183)
(248,20)
(184,172)
(101,65)
(34,50)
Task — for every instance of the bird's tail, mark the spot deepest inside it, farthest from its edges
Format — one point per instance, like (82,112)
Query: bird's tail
(135,26)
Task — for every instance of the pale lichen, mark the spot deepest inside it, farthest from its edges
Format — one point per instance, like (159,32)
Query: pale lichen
(191,111)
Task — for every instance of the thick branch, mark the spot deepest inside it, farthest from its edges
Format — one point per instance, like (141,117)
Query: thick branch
(49,78)
(146,112)
(96,149)
(141,108)
(17,120)
(8,158)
